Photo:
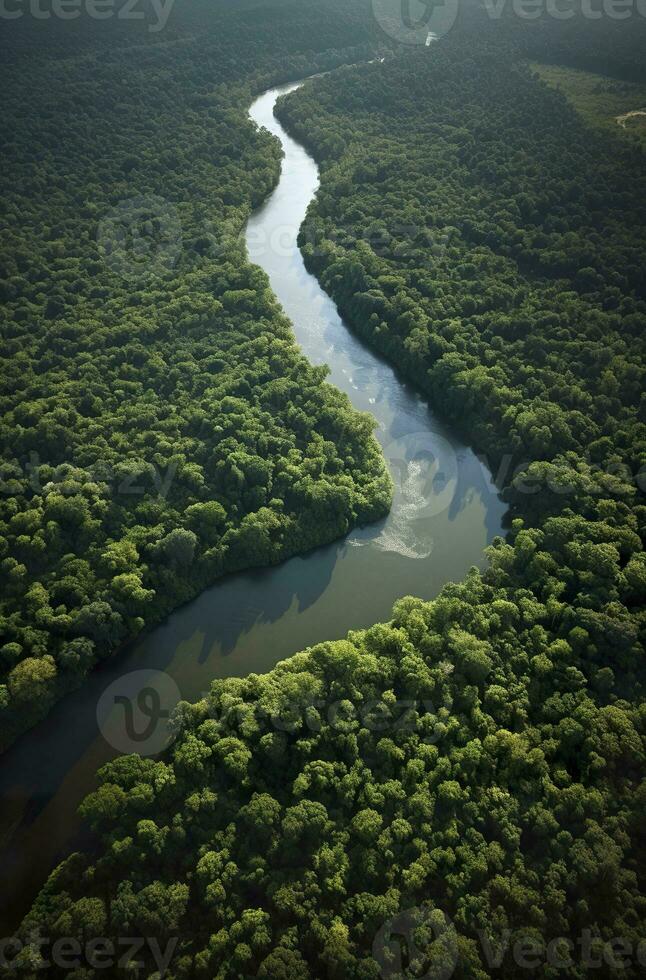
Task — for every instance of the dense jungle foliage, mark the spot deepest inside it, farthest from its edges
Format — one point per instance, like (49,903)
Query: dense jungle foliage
(159,425)
(473,770)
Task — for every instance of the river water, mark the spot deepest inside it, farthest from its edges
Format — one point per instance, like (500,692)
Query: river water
(445,512)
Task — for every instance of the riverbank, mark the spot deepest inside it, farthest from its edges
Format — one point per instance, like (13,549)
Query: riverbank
(248,622)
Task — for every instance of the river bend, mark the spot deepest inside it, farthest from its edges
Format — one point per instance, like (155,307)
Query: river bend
(445,512)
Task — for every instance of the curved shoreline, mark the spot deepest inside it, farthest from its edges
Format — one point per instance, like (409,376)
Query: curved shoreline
(248,621)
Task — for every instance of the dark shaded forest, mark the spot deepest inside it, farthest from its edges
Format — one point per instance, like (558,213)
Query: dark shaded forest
(479,760)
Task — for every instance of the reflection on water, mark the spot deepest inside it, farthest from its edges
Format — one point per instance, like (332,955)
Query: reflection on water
(445,512)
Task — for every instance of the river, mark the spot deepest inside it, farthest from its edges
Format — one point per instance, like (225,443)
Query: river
(445,512)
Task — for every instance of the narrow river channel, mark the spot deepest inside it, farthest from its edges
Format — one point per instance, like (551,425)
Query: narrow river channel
(445,512)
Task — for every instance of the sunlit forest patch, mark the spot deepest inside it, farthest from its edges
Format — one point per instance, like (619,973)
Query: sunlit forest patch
(603,102)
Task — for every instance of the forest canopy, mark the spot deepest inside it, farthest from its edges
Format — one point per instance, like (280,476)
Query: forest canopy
(477,763)
(159,425)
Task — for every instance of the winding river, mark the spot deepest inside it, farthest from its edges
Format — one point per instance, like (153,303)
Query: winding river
(445,512)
